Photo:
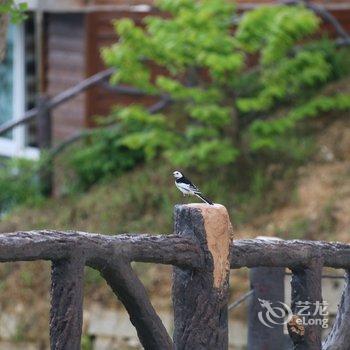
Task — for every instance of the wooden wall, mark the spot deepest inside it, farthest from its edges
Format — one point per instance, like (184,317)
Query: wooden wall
(66,66)
(101,34)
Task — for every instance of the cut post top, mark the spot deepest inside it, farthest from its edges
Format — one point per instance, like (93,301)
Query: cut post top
(217,231)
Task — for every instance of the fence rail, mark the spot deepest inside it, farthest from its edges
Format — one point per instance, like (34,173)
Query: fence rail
(202,252)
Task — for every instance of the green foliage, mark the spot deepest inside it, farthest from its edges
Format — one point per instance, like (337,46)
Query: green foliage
(18,183)
(272,31)
(203,68)
(14,9)
(101,155)
(86,342)
(265,134)
(195,39)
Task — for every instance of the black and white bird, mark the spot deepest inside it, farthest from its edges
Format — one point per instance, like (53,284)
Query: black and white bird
(187,187)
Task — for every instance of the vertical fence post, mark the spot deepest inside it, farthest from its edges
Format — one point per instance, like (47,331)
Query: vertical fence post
(267,284)
(66,316)
(44,132)
(339,337)
(200,296)
(307,290)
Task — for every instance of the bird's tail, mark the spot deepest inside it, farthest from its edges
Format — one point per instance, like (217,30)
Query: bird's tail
(206,200)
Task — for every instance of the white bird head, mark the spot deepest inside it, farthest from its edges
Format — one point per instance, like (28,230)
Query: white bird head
(177,174)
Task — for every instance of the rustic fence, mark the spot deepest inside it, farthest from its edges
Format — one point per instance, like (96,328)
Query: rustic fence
(202,251)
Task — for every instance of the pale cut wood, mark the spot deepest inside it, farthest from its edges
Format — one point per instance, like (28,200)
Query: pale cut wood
(200,296)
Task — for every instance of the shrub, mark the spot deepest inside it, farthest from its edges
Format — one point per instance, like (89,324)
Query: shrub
(19,183)
(99,156)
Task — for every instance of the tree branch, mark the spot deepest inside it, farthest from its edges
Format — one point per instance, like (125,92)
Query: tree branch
(155,108)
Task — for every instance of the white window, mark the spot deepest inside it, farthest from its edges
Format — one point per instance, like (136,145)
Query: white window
(13,95)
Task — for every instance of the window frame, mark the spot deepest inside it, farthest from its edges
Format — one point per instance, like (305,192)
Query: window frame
(16,146)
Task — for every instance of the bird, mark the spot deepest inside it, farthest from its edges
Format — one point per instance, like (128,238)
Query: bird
(187,187)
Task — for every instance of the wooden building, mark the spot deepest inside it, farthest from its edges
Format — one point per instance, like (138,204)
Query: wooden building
(69,35)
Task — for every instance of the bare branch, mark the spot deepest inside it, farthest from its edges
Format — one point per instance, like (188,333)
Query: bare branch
(155,108)
(123,89)
(58,99)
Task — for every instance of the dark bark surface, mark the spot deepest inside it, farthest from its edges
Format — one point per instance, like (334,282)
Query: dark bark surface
(339,337)
(268,284)
(200,310)
(66,315)
(283,253)
(52,245)
(166,249)
(306,289)
(131,292)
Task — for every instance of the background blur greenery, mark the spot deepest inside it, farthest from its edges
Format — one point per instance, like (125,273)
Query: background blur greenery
(259,120)
(242,97)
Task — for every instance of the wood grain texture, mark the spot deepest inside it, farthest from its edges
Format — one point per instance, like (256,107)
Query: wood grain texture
(66,316)
(339,337)
(267,284)
(200,296)
(307,290)
(131,292)
(200,287)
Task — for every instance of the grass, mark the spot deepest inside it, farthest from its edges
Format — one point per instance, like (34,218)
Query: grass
(143,200)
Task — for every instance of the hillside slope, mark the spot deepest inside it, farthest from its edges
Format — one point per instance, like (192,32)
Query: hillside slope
(314,205)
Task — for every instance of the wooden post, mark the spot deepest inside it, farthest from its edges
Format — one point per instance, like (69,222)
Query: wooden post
(339,336)
(200,296)
(268,284)
(44,132)
(307,290)
(131,292)
(66,316)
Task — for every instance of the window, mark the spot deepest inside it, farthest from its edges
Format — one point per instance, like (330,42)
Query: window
(14,93)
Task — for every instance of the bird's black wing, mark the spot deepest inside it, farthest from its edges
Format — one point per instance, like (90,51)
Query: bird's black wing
(186,181)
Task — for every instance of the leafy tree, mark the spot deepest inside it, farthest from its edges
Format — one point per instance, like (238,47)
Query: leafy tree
(226,84)
(14,9)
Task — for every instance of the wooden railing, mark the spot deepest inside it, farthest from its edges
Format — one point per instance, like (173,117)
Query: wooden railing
(202,251)
(42,114)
